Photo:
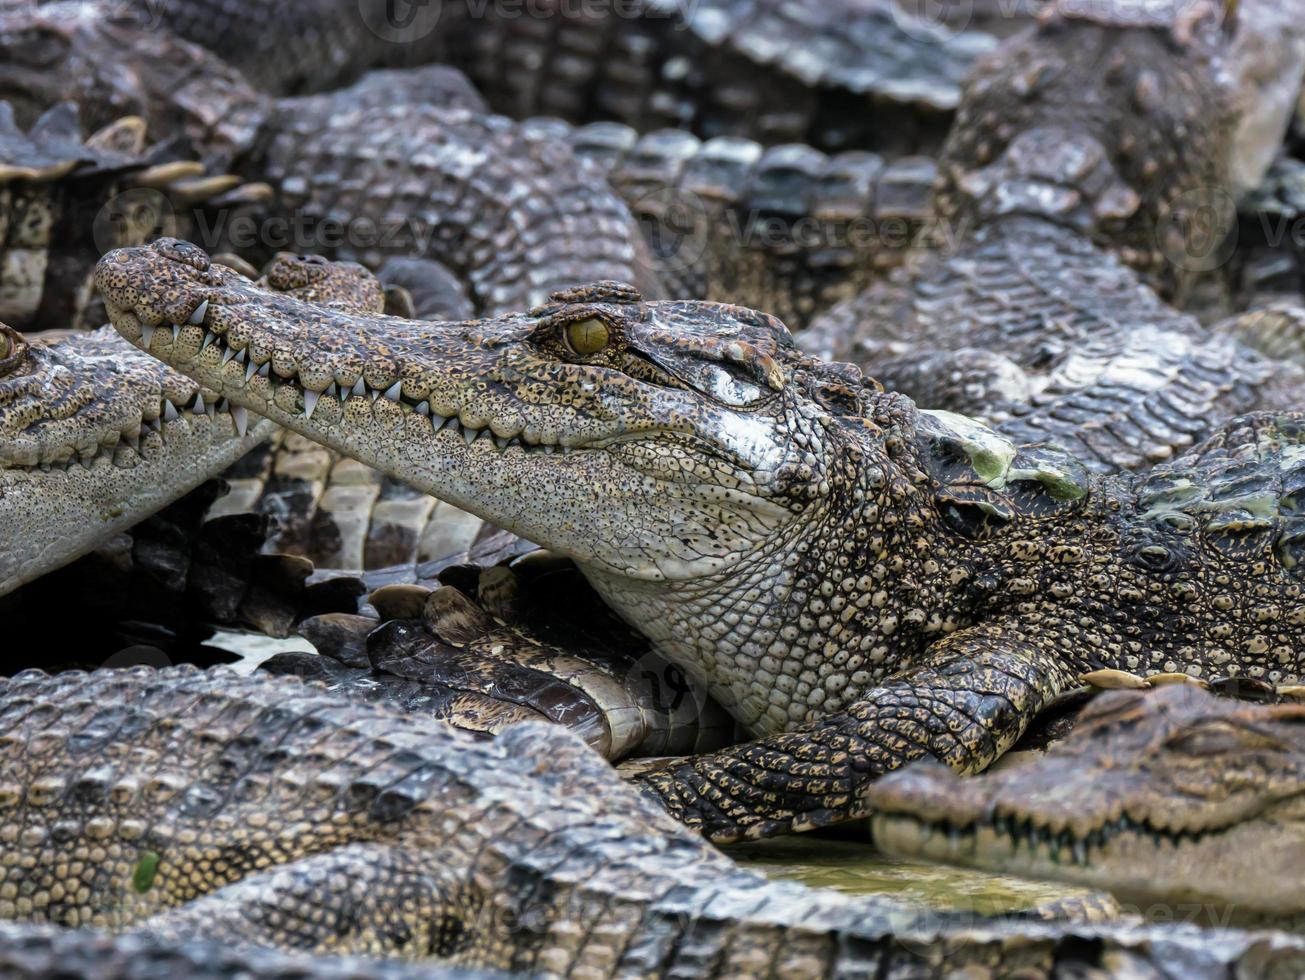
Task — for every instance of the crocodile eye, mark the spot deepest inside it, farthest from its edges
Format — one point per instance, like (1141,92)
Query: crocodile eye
(13,349)
(587,336)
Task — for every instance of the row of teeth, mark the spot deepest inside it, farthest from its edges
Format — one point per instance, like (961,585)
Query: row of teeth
(359,389)
(1060,844)
(168,412)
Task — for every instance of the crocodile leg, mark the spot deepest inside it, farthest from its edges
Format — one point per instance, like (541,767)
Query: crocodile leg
(965,704)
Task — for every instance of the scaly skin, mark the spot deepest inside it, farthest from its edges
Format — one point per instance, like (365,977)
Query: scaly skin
(95,437)
(65,200)
(789,229)
(835,74)
(1076,178)
(513,213)
(858,582)
(1049,339)
(1167,796)
(249,811)
(39,952)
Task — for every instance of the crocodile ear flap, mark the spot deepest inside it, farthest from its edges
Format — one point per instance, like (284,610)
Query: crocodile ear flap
(841,388)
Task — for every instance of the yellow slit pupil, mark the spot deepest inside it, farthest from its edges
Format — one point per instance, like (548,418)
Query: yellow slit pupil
(587,336)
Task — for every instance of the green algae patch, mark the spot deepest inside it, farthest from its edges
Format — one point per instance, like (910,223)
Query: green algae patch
(146,868)
(989,453)
(998,462)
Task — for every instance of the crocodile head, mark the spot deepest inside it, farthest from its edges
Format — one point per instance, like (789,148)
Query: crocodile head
(1112,119)
(95,436)
(1168,796)
(681,452)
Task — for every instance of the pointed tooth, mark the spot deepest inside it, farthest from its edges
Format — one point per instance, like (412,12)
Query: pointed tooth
(147,334)
(500,441)
(332,390)
(176,330)
(310,402)
(359,388)
(169,411)
(250,370)
(198,316)
(241,355)
(209,337)
(133,441)
(392,392)
(265,369)
(199,404)
(224,406)
(469,435)
(423,408)
(549,448)
(227,354)
(240,416)
(373,393)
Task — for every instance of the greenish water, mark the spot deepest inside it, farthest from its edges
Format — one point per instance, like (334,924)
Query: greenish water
(856,867)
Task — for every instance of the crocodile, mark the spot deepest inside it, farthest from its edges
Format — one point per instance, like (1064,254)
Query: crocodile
(486,646)
(1048,317)
(95,437)
(834,75)
(1162,796)
(180,806)
(857,581)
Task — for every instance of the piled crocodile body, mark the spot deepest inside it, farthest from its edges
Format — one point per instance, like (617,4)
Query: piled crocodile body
(1169,796)
(857,581)
(64,201)
(257,812)
(1078,193)
(835,75)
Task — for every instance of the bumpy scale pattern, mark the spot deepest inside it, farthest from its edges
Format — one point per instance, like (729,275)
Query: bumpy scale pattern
(195,808)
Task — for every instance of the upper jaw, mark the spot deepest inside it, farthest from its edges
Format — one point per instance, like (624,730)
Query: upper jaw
(317,368)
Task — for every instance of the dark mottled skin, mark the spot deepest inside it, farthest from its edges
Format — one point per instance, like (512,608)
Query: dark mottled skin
(859,582)
(180,804)
(1156,796)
